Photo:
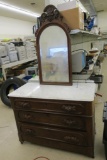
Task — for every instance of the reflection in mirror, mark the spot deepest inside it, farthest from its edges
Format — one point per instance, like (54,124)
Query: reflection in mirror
(54,55)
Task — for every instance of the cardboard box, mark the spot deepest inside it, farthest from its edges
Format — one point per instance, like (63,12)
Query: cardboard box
(4,60)
(31,54)
(10,47)
(74,18)
(68,5)
(13,56)
(3,51)
(21,52)
(20,49)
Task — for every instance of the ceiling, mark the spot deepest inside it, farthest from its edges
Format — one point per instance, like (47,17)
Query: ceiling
(94,6)
(24,4)
(100,5)
(91,5)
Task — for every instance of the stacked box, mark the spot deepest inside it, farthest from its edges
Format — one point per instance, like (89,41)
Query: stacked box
(74,18)
(21,52)
(30,50)
(4,59)
(3,51)
(12,53)
(13,56)
(10,47)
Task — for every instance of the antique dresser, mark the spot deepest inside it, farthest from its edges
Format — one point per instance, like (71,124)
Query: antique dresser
(61,117)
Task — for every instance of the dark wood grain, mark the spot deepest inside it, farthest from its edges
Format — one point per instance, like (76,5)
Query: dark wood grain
(44,122)
(62,106)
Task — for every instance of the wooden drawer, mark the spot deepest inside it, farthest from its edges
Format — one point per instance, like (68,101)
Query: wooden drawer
(75,138)
(77,108)
(80,123)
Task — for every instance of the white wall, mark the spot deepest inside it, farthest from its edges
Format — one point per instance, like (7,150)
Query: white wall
(102,20)
(47,2)
(14,28)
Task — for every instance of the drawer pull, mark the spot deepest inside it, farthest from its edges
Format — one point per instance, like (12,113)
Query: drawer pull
(72,139)
(27,116)
(29,131)
(69,108)
(69,122)
(22,104)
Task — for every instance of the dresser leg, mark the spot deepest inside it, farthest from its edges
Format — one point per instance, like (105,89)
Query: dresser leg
(21,142)
(93,156)
(90,152)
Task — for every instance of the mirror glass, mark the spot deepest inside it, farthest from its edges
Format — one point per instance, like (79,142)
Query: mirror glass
(54,55)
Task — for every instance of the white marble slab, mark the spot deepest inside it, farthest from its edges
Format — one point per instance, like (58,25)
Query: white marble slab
(36,79)
(76,92)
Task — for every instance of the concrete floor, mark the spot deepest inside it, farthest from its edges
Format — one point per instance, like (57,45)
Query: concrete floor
(12,149)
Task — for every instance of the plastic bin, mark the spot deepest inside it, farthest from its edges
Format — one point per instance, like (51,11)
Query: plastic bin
(26,78)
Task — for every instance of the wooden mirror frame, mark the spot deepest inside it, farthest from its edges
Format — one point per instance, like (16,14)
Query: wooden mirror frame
(52,17)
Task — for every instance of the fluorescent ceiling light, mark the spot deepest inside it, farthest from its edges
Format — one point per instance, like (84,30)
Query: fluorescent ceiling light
(19,10)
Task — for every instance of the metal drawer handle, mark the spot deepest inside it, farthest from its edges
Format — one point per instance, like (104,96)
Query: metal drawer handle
(70,122)
(29,131)
(69,108)
(73,139)
(27,116)
(24,104)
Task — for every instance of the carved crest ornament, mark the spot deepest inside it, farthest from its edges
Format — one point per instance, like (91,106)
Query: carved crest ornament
(51,14)
(53,47)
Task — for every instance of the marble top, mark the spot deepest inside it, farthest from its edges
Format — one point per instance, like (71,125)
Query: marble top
(76,92)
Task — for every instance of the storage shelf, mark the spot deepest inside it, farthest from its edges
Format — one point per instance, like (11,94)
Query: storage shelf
(85,76)
(81,36)
(78,31)
(102,38)
(9,65)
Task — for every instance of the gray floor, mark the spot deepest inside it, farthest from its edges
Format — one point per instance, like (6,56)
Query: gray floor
(11,149)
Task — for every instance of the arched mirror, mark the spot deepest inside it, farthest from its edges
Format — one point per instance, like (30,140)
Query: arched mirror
(53,49)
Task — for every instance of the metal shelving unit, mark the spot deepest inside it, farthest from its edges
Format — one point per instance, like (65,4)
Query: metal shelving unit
(9,65)
(79,40)
(80,36)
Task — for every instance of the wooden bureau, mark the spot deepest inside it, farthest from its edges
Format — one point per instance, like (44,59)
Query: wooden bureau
(62,124)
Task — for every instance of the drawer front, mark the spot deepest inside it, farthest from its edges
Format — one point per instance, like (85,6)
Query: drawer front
(73,122)
(77,108)
(75,138)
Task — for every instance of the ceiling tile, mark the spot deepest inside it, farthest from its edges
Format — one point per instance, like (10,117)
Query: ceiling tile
(100,4)
(26,4)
